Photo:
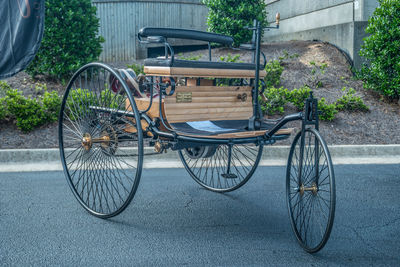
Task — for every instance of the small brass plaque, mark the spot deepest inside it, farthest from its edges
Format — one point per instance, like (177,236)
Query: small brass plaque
(183,97)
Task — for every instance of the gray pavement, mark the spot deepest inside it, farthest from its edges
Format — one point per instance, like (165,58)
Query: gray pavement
(174,222)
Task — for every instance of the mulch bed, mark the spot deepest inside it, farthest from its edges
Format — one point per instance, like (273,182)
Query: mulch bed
(378,126)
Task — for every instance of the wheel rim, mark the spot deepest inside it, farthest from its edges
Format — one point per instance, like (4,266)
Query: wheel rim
(96,131)
(211,171)
(311,194)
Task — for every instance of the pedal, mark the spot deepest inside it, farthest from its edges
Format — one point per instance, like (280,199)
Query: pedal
(229,175)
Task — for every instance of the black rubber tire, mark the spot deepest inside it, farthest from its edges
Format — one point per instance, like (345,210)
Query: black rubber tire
(207,171)
(311,202)
(96,111)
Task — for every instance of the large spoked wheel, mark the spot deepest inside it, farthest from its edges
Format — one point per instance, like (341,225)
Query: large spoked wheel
(310,190)
(100,140)
(221,168)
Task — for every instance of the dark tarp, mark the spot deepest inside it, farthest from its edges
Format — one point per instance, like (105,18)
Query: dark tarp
(21,31)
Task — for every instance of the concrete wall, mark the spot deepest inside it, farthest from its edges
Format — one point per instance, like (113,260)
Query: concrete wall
(340,22)
(120,21)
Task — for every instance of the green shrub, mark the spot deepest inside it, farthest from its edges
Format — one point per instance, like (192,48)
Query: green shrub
(229,81)
(137,68)
(275,100)
(27,112)
(190,57)
(3,109)
(298,96)
(51,103)
(317,71)
(231,58)
(78,103)
(350,102)
(286,56)
(4,87)
(274,71)
(40,88)
(70,38)
(80,100)
(231,16)
(328,111)
(381,50)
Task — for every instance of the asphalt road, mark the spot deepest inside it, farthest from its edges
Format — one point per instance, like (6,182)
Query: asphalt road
(174,222)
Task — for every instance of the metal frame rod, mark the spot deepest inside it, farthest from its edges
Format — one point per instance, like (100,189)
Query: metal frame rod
(257,78)
(283,121)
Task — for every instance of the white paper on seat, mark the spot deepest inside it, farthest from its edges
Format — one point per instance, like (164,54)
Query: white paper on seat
(207,126)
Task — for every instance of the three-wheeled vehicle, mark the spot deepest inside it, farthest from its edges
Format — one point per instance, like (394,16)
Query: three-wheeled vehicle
(209,112)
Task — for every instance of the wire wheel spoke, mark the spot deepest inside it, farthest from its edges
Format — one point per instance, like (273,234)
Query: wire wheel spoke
(221,168)
(94,130)
(310,190)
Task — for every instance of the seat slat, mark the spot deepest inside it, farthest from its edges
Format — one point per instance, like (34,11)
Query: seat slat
(205,99)
(209,103)
(204,117)
(201,72)
(214,89)
(182,111)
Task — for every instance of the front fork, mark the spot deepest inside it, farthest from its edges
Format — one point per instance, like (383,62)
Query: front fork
(310,117)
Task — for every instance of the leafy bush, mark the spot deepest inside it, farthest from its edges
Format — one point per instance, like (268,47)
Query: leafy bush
(27,112)
(317,71)
(51,103)
(381,50)
(350,102)
(3,109)
(70,38)
(274,71)
(286,56)
(137,68)
(80,100)
(231,16)
(298,96)
(328,111)
(275,100)
(231,58)
(191,57)
(229,81)
(4,87)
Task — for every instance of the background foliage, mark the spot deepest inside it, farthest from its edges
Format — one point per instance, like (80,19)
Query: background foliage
(382,50)
(70,38)
(229,17)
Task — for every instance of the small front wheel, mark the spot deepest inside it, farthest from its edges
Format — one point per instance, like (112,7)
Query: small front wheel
(310,190)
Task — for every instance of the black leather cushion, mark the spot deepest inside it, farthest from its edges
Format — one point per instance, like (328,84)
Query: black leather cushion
(157,62)
(186,34)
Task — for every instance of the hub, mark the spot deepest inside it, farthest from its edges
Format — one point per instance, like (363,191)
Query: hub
(88,141)
(313,188)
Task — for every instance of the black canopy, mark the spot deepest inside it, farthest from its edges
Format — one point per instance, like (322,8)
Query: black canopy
(21,31)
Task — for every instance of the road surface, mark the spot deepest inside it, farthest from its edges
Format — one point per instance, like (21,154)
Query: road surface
(172,221)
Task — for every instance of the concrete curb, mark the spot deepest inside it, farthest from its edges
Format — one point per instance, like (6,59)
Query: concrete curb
(15,160)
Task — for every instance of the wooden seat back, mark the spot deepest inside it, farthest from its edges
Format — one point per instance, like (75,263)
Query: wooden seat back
(200,103)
